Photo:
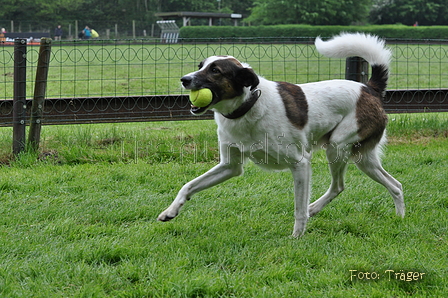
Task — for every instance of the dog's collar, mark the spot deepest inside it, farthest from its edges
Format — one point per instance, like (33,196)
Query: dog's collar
(246,106)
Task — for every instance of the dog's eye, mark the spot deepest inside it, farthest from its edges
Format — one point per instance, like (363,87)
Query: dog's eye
(215,70)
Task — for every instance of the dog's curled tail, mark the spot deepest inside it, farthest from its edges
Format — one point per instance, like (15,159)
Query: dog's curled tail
(369,47)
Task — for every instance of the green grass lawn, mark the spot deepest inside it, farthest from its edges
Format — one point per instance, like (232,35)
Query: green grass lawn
(79,219)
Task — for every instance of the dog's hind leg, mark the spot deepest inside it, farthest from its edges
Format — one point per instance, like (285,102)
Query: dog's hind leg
(371,165)
(337,162)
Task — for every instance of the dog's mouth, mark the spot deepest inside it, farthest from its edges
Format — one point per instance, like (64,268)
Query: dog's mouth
(200,110)
(197,110)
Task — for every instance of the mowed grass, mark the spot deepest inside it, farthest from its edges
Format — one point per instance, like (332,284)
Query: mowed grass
(79,219)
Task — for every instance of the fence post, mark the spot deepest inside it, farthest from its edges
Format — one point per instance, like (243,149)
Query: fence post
(19,99)
(75,36)
(133,29)
(356,69)
(40,87)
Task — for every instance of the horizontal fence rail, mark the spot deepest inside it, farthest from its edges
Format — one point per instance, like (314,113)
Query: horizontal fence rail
(111,109)
(138,80)
(177,107)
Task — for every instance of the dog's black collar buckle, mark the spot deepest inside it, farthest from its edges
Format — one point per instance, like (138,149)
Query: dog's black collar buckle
(246,106)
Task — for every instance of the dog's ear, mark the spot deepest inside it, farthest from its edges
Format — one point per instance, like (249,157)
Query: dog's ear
(248,78)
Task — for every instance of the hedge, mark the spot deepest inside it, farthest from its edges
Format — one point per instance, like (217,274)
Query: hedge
(296,31)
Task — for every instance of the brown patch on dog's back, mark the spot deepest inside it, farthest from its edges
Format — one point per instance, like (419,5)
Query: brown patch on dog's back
(295,103)
(370,116)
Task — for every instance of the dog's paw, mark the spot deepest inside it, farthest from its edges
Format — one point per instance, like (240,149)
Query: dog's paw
(313,209)
(299,228)
(166,216)
(298,234)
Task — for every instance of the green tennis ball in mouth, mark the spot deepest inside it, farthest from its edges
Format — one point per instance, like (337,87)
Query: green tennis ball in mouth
(201,98)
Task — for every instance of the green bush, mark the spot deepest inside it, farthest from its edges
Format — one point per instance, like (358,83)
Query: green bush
(297,31)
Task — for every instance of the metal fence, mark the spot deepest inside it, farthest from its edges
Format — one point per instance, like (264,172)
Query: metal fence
(138,80)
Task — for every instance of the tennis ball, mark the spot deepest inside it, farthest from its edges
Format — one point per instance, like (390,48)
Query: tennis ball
(201,98)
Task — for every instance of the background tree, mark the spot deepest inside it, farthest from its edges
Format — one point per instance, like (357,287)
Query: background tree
(426,12)
(104,14)
(313,12)
(44,14)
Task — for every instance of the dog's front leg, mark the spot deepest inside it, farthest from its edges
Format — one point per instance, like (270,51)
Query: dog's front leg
(226,169)
(301,173)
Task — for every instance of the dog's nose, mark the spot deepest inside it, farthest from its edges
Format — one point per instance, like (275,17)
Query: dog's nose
(186,81)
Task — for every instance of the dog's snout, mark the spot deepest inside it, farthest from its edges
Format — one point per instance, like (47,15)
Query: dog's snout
(186,81)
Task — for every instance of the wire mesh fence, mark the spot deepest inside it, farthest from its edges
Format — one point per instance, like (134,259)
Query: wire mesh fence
(138,79)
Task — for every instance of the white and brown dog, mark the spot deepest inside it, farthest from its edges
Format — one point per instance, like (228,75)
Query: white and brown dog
(278,125)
